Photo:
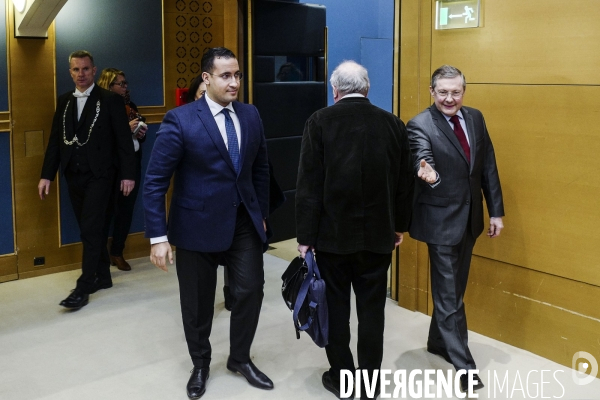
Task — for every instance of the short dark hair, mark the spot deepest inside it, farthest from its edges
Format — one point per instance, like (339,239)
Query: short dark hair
(208,59)
(81,54)
(191,95)
(447,72)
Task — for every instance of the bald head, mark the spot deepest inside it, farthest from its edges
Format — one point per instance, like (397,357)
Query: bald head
(349,77)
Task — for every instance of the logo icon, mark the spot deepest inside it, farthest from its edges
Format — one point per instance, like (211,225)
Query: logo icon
(585,368)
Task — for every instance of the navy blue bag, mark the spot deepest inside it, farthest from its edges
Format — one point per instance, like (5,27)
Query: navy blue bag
(304,293)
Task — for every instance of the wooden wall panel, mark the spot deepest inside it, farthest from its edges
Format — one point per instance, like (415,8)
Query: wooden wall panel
(191,27)
(530,42)
(547,315)
(531,71)
(8,268)
(415,37)
(546,152)
(36,221)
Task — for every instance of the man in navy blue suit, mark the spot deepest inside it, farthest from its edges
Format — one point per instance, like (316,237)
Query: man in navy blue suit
(216,149)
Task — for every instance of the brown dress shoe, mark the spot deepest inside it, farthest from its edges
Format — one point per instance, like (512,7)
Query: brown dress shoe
(120,262)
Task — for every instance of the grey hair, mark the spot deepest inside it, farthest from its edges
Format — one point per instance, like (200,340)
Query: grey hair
(350,77)
(447,72)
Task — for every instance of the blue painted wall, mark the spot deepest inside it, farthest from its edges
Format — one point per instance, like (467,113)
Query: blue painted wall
(7,241)
(122,34)
(377,56)
(3,60)
(351,20)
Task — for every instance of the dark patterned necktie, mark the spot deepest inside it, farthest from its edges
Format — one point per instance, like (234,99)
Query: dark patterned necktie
(232,141)
(462,138)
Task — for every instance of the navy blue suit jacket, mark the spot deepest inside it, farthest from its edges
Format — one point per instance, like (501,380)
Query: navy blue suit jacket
(205,200)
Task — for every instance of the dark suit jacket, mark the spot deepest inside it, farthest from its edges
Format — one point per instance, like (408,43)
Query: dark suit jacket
(441,213)
(110,145)
(205,189)
(355,180)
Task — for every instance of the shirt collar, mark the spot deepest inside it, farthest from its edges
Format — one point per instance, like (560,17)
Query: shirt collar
(352,95)
(216,108)
(86,91)
(459,113)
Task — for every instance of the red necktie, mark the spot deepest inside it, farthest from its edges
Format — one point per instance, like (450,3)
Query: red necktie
(462,138)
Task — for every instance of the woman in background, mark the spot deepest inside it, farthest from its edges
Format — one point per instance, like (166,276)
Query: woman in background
(196,90)
(114,80)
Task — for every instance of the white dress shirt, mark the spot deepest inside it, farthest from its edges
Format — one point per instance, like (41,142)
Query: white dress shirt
(215,110)
(463,124)
(82,98)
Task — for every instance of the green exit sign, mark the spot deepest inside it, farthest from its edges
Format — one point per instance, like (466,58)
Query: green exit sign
(457,14)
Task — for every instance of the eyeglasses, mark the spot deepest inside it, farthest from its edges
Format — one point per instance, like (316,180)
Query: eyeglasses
(444,93)
(227,76)
(122,83)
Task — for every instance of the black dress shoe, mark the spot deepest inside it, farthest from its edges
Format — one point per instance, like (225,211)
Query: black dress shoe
(229,299)
(464,382)
(329,384)
(252,374)
(439,352)
(98,285)
(333,386)
(76,300)
(196,386)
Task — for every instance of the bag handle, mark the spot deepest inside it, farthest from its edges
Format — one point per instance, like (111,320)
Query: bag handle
(309,260)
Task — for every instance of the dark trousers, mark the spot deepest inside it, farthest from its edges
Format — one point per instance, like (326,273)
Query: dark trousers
(197,274)
(90,197)
(123,212)
(366,272)
(449,277)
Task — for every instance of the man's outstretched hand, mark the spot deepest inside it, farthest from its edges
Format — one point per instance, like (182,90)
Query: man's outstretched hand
(427,173)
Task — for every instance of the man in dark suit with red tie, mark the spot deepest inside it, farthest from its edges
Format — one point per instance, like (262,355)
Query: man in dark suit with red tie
(89,140)
(454,159)
(217,151)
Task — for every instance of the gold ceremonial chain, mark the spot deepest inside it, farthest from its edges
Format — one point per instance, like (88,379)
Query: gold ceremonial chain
(75,139)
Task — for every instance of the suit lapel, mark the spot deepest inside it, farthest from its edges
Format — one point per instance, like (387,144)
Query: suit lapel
(242,117)
(440,121)
(471,133)
(212,129)
(70,117)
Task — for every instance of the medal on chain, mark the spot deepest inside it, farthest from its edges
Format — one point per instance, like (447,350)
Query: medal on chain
(75,139)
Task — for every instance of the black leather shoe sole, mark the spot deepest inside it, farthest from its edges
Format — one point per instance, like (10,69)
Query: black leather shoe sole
(252,374)
(329,385)
(75,304)
(74,307)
